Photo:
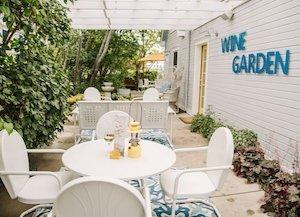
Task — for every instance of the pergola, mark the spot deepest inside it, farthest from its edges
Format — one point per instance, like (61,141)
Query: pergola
(146,14)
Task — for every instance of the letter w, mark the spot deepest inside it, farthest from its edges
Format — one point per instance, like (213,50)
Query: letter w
(225,45)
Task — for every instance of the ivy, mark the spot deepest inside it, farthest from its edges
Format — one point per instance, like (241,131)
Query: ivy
(33,84)
(9,127)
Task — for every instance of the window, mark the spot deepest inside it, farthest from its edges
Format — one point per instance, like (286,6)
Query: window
(175,59)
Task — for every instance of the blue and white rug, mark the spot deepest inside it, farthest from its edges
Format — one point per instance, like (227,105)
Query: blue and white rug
(159,207)
(162,209)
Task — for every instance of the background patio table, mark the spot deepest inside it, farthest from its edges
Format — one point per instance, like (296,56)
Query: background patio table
(91,158)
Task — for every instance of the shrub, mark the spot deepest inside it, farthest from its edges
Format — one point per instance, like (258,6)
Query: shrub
(243,137)
(151,75)
(76,98)
(33,85)
(197,123)
(206,125)
(282,195)
(247,162)
(33,96)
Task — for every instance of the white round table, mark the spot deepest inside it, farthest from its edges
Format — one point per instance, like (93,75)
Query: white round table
(91,159)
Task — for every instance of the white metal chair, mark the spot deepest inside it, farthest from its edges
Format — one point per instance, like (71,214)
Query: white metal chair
(92,94)
(151,94)
(102,197)
(29,187)
(107,122)
(197,184)
(154,114)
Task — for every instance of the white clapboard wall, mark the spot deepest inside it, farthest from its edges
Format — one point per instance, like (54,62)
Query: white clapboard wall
(269,105)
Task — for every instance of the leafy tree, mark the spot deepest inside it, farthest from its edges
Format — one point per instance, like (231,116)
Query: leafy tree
(148,42)
(33,85)
(114,65)
(119,61)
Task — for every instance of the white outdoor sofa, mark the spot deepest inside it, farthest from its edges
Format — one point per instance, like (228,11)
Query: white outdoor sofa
(153,115)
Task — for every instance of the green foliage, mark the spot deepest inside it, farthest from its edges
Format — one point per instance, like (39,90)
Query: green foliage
(283,195)
(33,86)
(281,192)
(118,78)
(243,137)
(33,94)
(9,127)
(121,62)
(151,75)
(38,21)
(282,189)
(73,99)
(207,124)
(116,96)
(250,163)
(115,65)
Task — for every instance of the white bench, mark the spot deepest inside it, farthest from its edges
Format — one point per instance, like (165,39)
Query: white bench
(151,114)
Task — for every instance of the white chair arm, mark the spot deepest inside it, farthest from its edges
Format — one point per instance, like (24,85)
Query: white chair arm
(203,148)
(137,98)
(170,91)
(94,135)
(194,170)
(33,173)
(46,151)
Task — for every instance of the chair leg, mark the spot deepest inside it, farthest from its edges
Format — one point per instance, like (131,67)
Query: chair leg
(173,208)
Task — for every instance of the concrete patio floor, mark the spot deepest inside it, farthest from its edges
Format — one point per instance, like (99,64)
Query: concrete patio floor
(236,199)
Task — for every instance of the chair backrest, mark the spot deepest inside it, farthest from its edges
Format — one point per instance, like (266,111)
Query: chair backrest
(13,157)
(154,114)
(220,153)
(151,94)
(99,197)
(108,121)
(92,94)
(90,112)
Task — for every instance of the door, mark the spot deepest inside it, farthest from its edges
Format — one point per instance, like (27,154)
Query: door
(203,62)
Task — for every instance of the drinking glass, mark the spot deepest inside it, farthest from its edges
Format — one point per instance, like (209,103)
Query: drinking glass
(109,137)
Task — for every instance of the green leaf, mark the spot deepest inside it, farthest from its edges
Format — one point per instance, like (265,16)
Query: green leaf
(5,10)
(9,127)
(1,124)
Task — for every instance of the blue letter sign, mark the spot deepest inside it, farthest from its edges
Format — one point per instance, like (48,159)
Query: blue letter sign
(269,63)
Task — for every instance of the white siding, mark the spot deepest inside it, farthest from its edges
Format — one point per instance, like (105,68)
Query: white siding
(269,105)
(182,45)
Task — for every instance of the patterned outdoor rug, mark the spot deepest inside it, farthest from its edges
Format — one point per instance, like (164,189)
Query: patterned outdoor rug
(159,207)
